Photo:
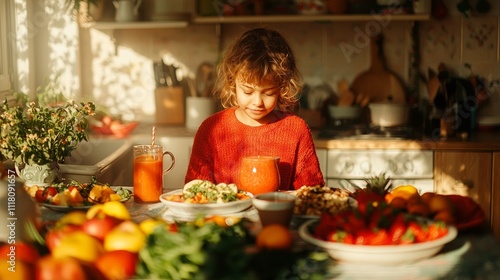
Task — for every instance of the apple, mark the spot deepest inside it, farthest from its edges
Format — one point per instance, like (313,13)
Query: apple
(53,236)
(125,236)
(22,251)
(99,227)
(107,264)
(49,268)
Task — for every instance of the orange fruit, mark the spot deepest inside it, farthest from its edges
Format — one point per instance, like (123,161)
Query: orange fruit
(398,203)
(419,208)
(388,197)
(439,203)
(446,216)
(405,191)
(275,237)
(426,197)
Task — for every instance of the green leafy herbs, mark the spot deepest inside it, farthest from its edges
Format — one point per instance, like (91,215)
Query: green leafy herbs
(205,250)
(42,134)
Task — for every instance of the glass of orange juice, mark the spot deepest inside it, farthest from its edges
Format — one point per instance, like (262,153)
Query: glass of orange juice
(259,174)
(148,172)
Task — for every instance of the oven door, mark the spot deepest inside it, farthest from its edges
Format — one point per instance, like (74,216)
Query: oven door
(350,168)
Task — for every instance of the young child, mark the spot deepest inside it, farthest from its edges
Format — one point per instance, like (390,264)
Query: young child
(258,84)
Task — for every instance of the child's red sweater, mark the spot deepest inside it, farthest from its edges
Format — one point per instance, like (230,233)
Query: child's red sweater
(221,141)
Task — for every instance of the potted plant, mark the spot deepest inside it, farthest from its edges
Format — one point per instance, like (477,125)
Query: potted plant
(36,138)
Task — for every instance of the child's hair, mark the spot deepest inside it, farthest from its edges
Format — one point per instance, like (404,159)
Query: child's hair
(257,55)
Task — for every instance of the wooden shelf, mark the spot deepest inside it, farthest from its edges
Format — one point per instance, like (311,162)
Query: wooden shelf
(307,18)
(140,24)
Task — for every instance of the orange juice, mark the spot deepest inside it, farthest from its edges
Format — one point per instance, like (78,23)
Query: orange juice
(259,174)
(148,178)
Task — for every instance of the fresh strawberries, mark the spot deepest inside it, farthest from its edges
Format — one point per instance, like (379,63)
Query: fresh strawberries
(379,224)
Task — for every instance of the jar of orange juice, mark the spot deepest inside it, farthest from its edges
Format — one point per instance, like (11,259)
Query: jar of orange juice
(148,172)
(259,174)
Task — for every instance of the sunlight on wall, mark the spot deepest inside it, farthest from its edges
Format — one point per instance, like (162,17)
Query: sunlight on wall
(20,37)
(62,42)
(46,40)
(121,79)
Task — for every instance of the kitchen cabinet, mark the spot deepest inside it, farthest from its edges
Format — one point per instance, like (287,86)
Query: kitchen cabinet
(181,148)
(322,158)
(495,195)
(469,174)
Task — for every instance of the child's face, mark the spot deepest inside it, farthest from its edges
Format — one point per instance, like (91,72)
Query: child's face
(256,101)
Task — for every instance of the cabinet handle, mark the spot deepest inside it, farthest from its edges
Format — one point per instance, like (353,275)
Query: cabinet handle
(348,166)
(366,167)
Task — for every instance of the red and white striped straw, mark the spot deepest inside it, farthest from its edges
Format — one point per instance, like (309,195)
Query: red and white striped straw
(153,136)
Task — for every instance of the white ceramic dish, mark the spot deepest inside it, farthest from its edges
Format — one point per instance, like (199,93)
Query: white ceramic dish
(60,208)
(182,208)
(378,255)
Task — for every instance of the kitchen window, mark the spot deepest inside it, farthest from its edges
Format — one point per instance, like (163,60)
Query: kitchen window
(5,61)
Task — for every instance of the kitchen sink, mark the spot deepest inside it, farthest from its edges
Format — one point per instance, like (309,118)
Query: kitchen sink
(110,160)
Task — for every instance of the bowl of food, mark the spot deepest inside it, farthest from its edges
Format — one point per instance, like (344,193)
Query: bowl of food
(377,254)
(204,197)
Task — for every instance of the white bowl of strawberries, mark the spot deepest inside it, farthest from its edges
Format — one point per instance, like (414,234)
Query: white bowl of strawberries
(391,245)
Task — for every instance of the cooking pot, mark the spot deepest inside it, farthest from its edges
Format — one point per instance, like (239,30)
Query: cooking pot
(388,114)
(344,112)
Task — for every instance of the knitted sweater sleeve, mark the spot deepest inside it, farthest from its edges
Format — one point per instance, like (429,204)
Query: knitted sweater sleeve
(307,169)
(201,164)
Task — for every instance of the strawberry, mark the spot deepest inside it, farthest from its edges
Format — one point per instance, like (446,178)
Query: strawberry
(437,230)
(380,237)
(407,238)
(341,236)
(397,229)
(353,222)
(418,230)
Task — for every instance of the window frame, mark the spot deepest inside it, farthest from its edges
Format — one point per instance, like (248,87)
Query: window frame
(5,59)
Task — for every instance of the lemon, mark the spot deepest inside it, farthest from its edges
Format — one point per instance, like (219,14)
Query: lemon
(147,226)
(73,218)
(78,245)
(112,208)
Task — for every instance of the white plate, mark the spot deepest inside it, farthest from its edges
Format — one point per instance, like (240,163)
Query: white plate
(182,208)
(60,208)
(379,255)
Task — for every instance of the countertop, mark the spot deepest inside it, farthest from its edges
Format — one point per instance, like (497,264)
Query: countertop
(479,141)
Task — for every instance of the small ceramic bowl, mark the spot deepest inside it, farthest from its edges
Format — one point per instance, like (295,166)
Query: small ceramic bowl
(274,207)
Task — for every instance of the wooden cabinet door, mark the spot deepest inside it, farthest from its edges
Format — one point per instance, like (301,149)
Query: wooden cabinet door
(465,173)
(495,196)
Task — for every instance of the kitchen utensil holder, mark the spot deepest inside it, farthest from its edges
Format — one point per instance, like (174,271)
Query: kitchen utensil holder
(169,105)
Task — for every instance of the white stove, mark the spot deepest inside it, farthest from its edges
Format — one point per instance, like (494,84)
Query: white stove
(346,168)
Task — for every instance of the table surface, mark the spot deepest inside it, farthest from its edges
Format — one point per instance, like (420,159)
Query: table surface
(472,255)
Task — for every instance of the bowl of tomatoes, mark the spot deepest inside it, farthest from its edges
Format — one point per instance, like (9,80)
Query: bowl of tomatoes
(405,240)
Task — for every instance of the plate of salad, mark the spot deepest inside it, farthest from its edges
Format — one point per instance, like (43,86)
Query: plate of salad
(201,196)
(78,196)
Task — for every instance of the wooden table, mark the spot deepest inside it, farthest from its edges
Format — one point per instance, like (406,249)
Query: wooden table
(472,255)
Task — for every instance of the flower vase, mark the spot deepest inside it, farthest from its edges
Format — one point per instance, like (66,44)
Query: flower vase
(38,175)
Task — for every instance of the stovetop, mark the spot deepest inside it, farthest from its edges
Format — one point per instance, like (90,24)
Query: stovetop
(367,132)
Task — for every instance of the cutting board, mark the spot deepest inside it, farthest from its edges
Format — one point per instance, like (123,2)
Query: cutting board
(378,83)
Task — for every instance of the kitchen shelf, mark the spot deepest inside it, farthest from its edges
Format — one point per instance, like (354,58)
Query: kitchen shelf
(306,18)
(140,24)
